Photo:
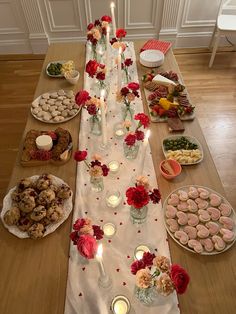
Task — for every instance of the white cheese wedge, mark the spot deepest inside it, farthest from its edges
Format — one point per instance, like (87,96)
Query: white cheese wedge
(44,142)
(163,80)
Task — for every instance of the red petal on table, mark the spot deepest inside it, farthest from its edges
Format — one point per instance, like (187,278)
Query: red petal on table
(80,295)
(156,250)
(97,198)
(115,143)
(101,220)
(148,175)
(88,138)
(124,283)
(121,223)
(115,213)
(156,219)
(109,241)
(134,169)
(83,269)
(139,231)
(85,184)
(124,203)
(118,269)
(128,256)
(167,240)
(85,213)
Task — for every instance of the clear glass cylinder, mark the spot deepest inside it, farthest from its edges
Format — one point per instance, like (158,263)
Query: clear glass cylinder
(131,152)
(95,124)
(127,112)
(146,296)
(138,215)
(96,184)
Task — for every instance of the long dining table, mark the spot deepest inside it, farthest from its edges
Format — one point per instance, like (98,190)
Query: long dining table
(34,272)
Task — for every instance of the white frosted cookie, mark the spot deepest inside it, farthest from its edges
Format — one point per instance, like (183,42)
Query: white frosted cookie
(36,110)
(54,95)
(61,92)
(64,113)
(55,113)
(40,114)
(66,101)
(52,108)
(51,101)
(45,107)
(45,96)
(61,108)
(70,94)
(58,103)
(47,116)
(35,104)
(42,102)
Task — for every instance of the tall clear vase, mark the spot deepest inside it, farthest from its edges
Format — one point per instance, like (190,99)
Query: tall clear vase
(127,112)
(95,124)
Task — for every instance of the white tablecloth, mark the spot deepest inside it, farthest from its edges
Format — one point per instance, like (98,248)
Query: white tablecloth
(83,295)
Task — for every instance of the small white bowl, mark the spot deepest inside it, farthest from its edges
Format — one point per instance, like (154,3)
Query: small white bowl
(72,77)
(151,58)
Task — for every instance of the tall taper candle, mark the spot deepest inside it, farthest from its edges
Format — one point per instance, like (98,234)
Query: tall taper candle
(103,114)
(108,47)
(145,144)
(119,70)
(112,6)
(100,261)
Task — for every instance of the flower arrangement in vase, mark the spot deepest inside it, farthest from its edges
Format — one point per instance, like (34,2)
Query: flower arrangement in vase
(85,236)
(132,139)
(155,275)
(138,198)
(96,169)
(126,95)
(125,67)
(92,105)
(98,71)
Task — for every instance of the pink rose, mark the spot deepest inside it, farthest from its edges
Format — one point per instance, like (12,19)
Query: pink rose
(87,246)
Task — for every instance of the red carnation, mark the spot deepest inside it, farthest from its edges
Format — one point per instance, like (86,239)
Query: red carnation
(113,40)
(139,135)
(74,237)
(137,196)
(136,266)
(124,91)
(155,196)
(90,26)
(97,23)
(100,76)
(130,139)
(97,232)
(133,86)
(105,170)
(120,33)
(81,97)
(148,258)
(87,246)
(106,18)
(80,155)
(128,62)
(180,278)
(143,119)
(91,67)
(79,224)
(92,109)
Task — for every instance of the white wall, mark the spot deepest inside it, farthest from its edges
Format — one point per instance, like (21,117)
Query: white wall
(29,26)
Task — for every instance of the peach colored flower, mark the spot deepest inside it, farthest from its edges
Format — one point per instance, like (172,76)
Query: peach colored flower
(162,262)
(96,171)
(127,124)
(105,24)
(95,101)
(142,180)
(87,229)
(96,157)
(143,278)
(118,44)
(96,34)
(130,97)
(119,97)
(164,284)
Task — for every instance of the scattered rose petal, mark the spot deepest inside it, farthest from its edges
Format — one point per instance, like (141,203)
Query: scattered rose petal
(80,295)
(128,256)
(117,269)
(85,213)
(133,169)
(118,178)
(139,231)
(124,283)
(156,219)
(109,241)
(121,223)
(101,220)
(115,213)
(83,268)
(97,198)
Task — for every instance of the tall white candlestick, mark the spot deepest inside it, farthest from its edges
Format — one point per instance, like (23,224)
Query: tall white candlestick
(104,124)
(108,47)
(145,145)
(100,261)
(119,70)
(112,6)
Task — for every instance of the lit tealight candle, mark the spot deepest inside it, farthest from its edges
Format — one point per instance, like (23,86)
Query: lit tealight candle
(138,253)
(120,305)
(113,200)
(114,166)
(109,229)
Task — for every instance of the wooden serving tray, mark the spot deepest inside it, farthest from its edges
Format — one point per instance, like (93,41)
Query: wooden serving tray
(35,162)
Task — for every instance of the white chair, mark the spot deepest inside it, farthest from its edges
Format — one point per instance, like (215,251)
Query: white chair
(225,25)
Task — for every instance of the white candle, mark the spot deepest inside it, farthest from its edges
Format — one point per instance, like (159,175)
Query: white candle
(119,70)
(120,305)
(138,253)
(104,123)
(113,201)
(112,6)
(109,229)
(145,145)
(44,142)
(119,133)
(114,166)
(100,260)
(108,47)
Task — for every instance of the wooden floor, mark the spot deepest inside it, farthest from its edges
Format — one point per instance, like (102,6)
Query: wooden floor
(213,91)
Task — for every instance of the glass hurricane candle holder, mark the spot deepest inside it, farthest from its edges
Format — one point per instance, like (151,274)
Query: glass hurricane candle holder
(120,305)
(139,250)
(114,166)
(119,131)
(113,198)
(109,229)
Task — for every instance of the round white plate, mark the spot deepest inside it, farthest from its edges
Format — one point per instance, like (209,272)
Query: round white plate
(51,75)
(188,137)
(51,122)
(232,216)
(152,58)
(7,204)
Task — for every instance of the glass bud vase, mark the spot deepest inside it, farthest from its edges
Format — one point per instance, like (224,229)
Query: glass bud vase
(138,215)
(97,86)
(126,77)
(96,184)
(95,124)
(127,112)
(131,152)
(146,296)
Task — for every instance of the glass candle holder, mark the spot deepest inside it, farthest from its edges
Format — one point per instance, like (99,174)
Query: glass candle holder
(109,229)
(139,250)
(120,305)
(114,166)
(119,131)
(113,198)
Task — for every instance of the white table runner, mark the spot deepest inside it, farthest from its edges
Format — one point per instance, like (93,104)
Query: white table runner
(83,295)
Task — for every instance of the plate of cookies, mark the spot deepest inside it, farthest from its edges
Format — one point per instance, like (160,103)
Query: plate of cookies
(200,220)
(36,206)
(55,107)
(185,149)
